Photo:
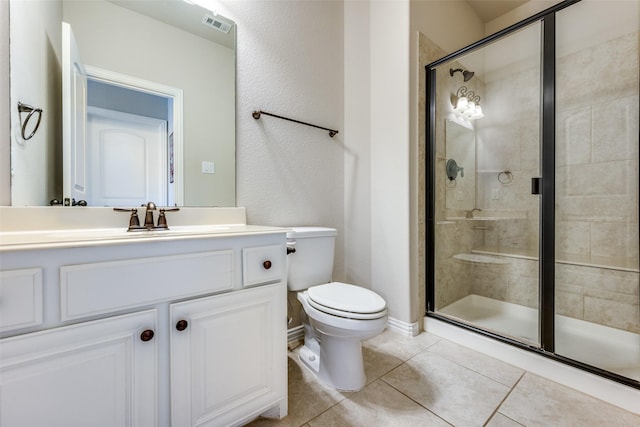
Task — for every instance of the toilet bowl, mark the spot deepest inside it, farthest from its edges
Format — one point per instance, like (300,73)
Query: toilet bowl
(336,316)
(333,338)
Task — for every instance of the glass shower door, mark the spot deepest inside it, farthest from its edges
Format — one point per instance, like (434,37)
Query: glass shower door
(487,151)
(596,268)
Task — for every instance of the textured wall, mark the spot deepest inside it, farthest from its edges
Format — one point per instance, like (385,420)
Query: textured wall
(36,79)
(290,62)
(5,182)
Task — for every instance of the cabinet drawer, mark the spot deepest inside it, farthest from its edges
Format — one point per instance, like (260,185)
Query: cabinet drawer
(20,298)
(263,264)
(97,288)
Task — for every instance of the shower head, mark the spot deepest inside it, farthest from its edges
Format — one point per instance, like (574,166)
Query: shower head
(466,75)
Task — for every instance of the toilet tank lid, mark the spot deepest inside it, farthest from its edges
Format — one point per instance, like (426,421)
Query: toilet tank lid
(302,232)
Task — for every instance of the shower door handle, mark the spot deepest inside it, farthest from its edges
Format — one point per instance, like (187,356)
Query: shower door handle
(536,185)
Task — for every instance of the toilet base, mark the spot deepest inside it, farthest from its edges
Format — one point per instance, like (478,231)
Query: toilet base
(310,359)
(333,345)
(338,363)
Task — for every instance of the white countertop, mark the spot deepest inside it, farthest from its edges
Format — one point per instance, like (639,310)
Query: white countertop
(49,239)
(27,228)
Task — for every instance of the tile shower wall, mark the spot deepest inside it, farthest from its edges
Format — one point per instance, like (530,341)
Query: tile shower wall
(597,151)
(597,189)
(597,183)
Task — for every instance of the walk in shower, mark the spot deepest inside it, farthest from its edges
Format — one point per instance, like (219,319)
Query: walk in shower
(532,186)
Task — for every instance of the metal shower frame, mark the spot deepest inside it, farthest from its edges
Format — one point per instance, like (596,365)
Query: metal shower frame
(546,310)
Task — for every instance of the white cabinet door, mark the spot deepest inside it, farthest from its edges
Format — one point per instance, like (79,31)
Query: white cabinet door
(229,363)
(99,373)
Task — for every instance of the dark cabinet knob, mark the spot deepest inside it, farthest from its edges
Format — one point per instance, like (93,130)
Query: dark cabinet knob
(266,264)
(147,335)
(182,325)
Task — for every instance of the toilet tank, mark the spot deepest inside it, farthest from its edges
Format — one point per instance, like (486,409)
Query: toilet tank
(312,262)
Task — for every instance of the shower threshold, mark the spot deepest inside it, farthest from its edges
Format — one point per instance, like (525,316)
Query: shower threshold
(604,347)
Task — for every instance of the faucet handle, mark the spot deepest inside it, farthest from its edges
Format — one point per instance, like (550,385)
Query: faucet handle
(162,219)
(134,221)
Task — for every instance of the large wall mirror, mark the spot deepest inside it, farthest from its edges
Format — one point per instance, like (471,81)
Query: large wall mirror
(137,99)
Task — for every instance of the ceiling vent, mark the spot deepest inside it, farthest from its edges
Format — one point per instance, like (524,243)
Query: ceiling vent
(219,25)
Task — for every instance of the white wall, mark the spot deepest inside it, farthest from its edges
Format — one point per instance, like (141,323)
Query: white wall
(528,9)
(290,62)
(357,134)
(36,81)
(5,158)
(390,229)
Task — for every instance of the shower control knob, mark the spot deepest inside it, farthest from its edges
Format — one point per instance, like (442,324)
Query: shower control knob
(182,325)
(147,335)
(266,264)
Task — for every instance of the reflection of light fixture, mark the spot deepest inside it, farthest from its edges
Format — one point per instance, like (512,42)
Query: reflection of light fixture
(466,75)
(468,104)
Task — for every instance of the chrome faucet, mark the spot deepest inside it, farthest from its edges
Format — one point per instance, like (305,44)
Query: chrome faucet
(469,213)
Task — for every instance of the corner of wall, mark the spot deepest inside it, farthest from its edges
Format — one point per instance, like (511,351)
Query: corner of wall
(5,99)
(518,14)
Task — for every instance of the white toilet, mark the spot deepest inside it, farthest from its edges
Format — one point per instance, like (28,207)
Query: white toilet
(336,316)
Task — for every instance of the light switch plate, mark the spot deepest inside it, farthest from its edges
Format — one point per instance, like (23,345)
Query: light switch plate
(208,167)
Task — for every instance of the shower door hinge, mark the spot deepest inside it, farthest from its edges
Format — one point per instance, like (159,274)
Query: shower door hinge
(536,185)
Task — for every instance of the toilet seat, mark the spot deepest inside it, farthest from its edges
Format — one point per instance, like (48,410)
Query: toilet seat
(349,301)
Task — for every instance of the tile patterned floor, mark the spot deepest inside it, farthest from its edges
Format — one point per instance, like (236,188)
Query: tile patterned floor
(429,381)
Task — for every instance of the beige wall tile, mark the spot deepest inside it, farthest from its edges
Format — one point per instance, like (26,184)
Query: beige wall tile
(596,179)
(573,145)
(617,314)
(614,240)
(569,300)
(615,130)
(573,237)
(523,290)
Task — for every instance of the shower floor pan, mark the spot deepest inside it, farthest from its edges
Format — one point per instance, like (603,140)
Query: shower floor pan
(601,346)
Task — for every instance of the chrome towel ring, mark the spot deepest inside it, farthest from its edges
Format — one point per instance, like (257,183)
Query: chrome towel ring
(24,108)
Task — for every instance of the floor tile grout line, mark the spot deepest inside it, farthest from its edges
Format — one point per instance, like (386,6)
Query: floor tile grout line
(511,389)
(474,370)
(334,403)
(416,402)
(407,396)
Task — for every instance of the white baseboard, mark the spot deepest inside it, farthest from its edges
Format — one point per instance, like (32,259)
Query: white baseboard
(403,328)
(599,387)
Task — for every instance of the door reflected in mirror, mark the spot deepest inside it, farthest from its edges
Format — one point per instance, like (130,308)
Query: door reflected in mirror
(189,156)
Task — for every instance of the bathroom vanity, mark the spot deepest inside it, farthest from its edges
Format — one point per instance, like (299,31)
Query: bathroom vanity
(103,327)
